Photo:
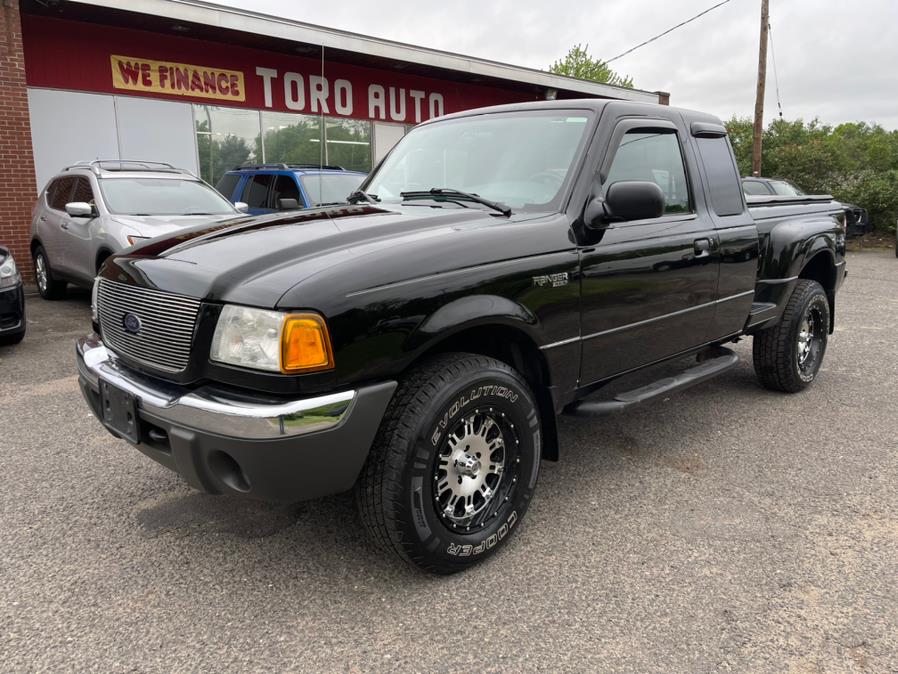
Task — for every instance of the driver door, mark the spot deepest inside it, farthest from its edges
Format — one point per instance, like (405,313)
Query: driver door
(79,254)
(648,287)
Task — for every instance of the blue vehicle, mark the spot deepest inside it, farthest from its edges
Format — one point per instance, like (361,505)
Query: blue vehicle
(266,188)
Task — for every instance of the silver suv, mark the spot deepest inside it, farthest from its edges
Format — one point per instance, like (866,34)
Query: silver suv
(94,209)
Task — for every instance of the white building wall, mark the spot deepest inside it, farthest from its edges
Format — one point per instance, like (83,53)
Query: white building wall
(68,127)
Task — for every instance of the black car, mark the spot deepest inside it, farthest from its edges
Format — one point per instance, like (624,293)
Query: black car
(500,267)
(12,300)
(857,222)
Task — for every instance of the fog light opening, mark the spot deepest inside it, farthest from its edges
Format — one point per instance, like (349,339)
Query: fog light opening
(228,471)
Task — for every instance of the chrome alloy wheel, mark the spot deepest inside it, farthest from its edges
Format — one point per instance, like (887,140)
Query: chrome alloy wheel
(474,472)
(40,271)
(810,339)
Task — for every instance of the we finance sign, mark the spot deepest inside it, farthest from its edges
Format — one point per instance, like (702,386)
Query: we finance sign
(179,79)
(287,90)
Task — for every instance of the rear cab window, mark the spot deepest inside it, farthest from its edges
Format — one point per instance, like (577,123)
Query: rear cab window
(755,188)
(724,186)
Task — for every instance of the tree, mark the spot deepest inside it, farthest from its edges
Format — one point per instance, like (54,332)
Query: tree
(855,162)
(578,63)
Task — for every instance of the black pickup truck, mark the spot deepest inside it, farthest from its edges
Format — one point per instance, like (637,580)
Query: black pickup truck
(498,268)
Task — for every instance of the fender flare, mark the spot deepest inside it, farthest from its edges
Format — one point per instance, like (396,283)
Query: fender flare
(470,312)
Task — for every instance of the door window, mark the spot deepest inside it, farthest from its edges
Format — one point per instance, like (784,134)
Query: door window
(83,191)
(58,193)
(655,156)
(227,184)
(285,187)
(255,194)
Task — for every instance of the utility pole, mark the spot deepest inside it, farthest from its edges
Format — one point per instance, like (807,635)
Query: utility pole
(759,97)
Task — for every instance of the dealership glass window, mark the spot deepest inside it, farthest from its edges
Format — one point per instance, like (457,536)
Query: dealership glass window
(228,137)
(292,139)
(225,138)
(348,143)
(297,139)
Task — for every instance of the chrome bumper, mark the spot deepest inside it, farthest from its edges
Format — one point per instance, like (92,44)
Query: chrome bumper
(209,410)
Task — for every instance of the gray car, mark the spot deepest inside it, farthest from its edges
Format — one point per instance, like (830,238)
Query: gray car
(94,209)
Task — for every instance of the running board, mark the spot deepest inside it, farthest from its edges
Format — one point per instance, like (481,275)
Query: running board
(704,371)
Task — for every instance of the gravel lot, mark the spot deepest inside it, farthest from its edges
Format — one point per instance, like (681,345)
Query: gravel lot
(728,528)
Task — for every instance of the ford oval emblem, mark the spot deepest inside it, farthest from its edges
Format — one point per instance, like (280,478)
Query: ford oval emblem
(131,323)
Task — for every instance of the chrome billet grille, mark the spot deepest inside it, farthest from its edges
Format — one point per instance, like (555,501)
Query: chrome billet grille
(166,323)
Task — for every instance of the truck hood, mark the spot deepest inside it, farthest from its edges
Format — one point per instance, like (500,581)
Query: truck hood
(255,260)
(156,225)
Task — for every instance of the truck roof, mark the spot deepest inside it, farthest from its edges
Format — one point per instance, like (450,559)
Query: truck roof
(594,104)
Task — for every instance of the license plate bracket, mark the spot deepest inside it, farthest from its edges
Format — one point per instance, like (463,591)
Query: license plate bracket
(119,410)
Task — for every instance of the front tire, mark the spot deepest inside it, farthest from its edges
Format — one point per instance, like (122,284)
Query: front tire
(788,356)
(454,465)
(48,287)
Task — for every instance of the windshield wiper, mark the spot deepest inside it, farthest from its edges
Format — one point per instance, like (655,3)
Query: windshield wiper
(358,196)
(449,194)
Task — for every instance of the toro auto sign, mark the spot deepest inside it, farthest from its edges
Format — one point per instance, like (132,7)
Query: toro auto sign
(140,63)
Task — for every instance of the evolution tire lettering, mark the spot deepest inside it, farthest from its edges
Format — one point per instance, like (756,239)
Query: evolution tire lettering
(464,399)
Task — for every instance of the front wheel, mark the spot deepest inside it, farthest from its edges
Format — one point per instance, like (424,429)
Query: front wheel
(48,287)
(454,464)
(788,356)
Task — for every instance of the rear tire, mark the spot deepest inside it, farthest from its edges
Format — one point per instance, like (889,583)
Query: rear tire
(787,356)
(454,465)
(48,287)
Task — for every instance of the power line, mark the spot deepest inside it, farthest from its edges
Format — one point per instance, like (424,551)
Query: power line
(776,78)
(669,30)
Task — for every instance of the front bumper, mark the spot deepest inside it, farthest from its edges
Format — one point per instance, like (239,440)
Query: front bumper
(12,310)
(223,441)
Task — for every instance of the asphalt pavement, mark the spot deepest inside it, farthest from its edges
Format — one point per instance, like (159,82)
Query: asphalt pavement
(727,528)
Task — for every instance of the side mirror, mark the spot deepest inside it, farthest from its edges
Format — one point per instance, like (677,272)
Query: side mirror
(288,204)
(634,200)
(242,206)
(79,209)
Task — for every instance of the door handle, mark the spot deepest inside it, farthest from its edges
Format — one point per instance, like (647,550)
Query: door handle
(64,225)
(702,248)
(42,219)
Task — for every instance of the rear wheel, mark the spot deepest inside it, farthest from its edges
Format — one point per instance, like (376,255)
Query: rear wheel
(787,357)
(48,287)
(454,465)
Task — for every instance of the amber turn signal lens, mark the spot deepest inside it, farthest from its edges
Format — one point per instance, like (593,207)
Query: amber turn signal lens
(305,344)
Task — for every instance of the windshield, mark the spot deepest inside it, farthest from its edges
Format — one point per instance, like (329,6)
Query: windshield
(330,188)
(785,189)
(162,196)
(520,159)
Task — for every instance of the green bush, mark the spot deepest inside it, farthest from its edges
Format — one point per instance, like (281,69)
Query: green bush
(855,162)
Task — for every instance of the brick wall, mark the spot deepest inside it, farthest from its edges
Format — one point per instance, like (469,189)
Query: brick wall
(17,183)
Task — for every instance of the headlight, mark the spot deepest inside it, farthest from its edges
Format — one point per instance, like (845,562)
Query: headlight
(9,275)
(94,311)
(272,340)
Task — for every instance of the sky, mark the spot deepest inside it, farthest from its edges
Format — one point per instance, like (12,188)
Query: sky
(836,60)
